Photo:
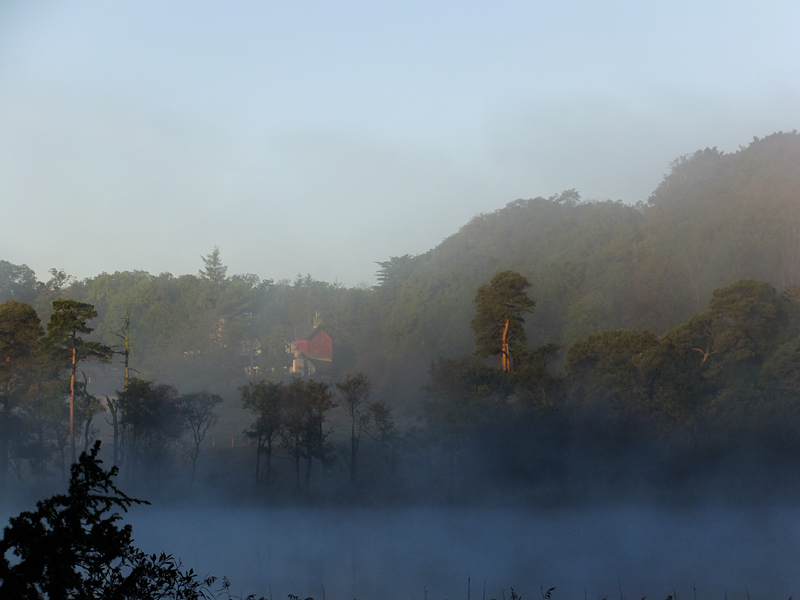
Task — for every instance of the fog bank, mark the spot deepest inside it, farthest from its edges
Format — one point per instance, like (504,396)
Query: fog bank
(595,554)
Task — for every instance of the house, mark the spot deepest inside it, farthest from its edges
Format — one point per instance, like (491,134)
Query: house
(311,353)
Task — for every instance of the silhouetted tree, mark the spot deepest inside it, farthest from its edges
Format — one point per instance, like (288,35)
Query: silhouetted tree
(355,391)
(72,547)
(381,428)
(303,431)
(153,419)
(317,401)
(198,414)
(293,427)
(265,400)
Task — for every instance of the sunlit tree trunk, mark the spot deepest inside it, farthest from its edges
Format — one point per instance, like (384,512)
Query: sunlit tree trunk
(504,353)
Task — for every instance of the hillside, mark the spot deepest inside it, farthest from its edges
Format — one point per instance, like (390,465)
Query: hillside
(662,348)
(714,219)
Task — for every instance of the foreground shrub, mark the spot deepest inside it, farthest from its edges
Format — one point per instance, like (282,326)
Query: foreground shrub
(72,548)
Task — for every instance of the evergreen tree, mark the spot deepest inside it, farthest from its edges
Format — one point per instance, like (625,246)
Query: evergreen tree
(72,546)
(214,270)
(68,348)
(498,323)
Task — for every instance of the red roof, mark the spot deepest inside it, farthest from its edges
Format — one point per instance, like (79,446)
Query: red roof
(318,346)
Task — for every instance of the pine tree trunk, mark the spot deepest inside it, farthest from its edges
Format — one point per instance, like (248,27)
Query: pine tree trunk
(506,360)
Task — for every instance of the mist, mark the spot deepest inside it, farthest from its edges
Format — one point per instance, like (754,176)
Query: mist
(375,146)
(628,551)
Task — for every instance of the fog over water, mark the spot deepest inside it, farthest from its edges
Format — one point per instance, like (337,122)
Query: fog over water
(408,553)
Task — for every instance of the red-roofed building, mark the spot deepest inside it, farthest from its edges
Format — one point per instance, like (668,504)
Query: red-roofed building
(311,353)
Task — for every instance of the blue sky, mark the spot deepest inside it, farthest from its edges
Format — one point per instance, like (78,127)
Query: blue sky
(321,137)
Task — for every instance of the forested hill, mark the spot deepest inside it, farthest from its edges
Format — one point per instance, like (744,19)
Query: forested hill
(714,219)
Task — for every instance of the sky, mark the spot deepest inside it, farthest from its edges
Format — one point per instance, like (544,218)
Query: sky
(312,137)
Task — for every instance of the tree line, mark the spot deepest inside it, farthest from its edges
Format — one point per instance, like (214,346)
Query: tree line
(722,385)
(712,401)
(605,277)
(47,405)
(594,265)
(48,409)
(293,416)
(728,379)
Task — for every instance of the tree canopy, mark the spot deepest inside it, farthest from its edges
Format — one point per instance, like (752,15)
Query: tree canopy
(498,322)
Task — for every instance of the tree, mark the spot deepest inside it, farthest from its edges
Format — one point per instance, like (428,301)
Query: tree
(293,426)
(533,379)
(69,319)
(198,414)
(124,334)
(748,316)
(53,289)
(18,282)
(498,322)
(317,401)
(44,417)
(113,404)
(265,400)
(610,378)
(88,407)
(355,391)
(464,400)
(382,430)
(20,331)
(72,547)
(152,415)
(394,269)
(303,432)
(214,270)
(730,340)
(780,375)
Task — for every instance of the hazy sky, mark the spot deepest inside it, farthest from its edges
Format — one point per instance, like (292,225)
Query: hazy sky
(319,137)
